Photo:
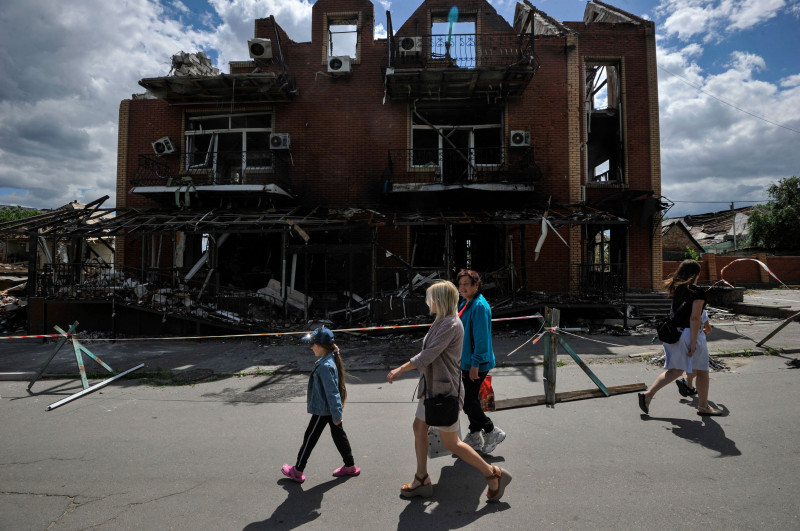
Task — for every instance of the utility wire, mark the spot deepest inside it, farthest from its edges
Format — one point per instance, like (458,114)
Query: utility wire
(754,115)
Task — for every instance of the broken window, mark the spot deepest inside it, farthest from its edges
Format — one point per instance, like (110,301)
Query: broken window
(605,142)
(343,35)
(455,143)
(229,146)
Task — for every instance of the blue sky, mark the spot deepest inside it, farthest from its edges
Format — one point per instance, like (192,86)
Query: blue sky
(729,86)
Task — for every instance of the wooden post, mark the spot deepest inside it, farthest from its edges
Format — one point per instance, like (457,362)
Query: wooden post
(552,317)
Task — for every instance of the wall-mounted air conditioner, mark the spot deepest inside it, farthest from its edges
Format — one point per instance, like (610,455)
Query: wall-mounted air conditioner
(279,141)
(410,45)
(339,64)
(164,146)
(520,138)
(260,48)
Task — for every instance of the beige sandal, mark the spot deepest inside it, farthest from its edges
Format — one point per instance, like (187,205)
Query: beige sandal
(503,479)
(426,491)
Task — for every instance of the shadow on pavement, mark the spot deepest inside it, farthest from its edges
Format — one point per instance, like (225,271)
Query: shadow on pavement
(705,431)
(299,508)
(458,500)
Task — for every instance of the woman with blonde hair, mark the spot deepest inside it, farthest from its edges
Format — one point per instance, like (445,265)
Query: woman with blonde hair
(690,352)
(439,365)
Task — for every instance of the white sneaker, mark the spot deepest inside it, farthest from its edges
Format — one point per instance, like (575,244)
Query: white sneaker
(492,439)
(474,439)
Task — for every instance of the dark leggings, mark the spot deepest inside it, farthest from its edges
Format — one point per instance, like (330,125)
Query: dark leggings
(315,428)
(472,403)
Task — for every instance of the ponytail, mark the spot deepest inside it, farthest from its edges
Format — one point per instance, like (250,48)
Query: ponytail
(337,358)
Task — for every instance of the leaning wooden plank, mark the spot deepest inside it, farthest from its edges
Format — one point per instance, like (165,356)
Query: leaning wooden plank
(91,389)
(569,396)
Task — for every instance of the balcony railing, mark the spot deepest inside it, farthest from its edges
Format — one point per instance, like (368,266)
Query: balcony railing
(463,166)
(461,50)
(221,168)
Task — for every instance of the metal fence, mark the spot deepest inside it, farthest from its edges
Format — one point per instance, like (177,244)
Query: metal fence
(462,50)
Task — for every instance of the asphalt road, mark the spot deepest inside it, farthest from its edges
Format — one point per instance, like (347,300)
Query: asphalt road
(207,456)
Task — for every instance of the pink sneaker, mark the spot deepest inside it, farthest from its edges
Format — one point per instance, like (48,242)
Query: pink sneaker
(347,471)
(292,473)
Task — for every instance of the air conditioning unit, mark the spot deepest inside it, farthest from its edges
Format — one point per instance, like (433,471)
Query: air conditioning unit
(260,48)
(164,146)
(410,45)
(279,141)
(520,138)
(339,64)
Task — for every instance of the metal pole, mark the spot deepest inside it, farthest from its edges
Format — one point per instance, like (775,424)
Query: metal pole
(552,317)
(91,389)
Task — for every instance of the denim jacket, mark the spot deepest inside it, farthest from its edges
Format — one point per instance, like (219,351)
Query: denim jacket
(323,389)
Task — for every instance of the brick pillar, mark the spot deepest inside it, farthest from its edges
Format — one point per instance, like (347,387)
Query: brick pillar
(655,149)
(574,156)
(762,274)
(122,175)
(710,259)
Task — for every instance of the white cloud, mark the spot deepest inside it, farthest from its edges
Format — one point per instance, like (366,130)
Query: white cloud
(721,151)
(710,19)
(791,81)
(744,61)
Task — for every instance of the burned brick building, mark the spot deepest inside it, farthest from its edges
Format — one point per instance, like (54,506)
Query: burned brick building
(333,175)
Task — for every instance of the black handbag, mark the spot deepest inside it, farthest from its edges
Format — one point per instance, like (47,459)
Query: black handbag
(442,410)
(667,330)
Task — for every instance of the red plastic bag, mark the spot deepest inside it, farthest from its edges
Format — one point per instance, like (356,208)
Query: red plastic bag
(486,394)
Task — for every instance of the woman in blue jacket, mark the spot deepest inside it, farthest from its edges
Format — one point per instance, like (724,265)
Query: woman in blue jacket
(477,359)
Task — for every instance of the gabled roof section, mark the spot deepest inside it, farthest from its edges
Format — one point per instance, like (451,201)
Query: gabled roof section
(600,12)
(527,18)
(678,224)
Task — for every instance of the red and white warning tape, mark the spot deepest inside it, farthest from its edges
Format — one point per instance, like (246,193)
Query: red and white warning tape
(265,334)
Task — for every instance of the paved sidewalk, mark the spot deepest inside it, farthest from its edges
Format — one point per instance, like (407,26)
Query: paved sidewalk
(733,334)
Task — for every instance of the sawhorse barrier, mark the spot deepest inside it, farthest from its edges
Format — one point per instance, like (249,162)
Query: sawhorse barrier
(79,350)
(550,397)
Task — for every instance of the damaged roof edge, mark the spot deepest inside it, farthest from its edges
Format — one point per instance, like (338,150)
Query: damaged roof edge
(597,11)
(541,24)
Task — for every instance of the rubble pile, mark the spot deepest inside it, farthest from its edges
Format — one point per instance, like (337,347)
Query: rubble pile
(13,314)
(192,64)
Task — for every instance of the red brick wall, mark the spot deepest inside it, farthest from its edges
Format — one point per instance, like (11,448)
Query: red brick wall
(786,268)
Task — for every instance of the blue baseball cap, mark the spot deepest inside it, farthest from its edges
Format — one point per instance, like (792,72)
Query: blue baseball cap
(321,336)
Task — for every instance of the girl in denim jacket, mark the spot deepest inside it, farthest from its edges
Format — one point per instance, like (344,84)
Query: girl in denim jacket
(326,397)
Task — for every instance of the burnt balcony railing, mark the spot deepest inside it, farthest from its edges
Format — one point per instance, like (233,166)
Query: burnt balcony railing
(462,50)
(221,168)
(463,166)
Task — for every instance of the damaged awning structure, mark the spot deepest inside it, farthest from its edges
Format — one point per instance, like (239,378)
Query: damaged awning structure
(249,267)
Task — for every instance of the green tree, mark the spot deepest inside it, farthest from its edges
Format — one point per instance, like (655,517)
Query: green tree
(776,225)
(13,213)
(690,254)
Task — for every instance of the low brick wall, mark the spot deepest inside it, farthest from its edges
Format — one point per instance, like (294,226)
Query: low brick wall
(745,273)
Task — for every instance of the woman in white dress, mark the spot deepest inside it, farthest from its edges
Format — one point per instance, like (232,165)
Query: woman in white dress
(690,352)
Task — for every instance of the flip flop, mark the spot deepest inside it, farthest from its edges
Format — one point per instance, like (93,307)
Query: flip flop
(709,412)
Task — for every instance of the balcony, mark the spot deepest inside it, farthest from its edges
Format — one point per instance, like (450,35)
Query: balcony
(237,172)
(459,66)
(488,169)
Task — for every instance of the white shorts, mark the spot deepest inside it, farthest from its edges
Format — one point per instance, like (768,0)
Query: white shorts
(676,357)
(421,416)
